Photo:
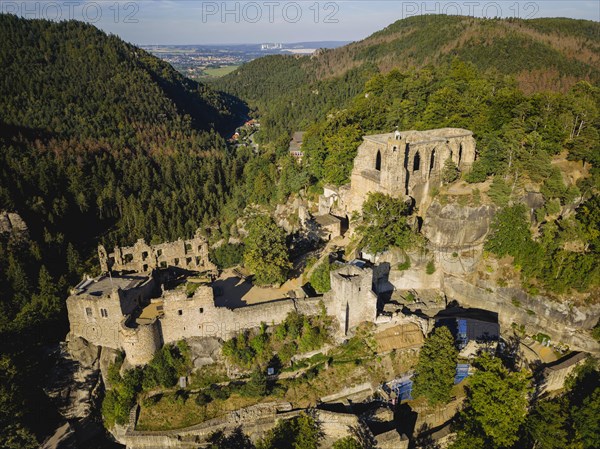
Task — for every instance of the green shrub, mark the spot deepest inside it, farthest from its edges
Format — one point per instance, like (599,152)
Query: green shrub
(499,192)
(404,265)
(450,171)
(320,279)
(257,385)
(227,255)
(347,443)
(430,269)
(203,399)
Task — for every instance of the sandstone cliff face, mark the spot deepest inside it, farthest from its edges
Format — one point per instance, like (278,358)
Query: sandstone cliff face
(457,227)
(562,321)
(456,235)
(74,387)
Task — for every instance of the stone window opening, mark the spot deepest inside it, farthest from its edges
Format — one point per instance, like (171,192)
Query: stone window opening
(188,261)
(88,311)
(397,135)
(159,252)
(144,255)
(460,149)
(145,268)
(197,260)
(201,309)
(180,312)
(104,313)
(417,162)
(188,247)
(176,262)
(128,258)
(378,161)
(163,264)
(432,162)
(199,249)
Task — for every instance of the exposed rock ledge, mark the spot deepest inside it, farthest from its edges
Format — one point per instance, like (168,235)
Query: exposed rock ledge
(563,322)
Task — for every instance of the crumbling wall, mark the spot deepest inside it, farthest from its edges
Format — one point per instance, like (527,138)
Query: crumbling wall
(185,254)
(407,163)
(255,420)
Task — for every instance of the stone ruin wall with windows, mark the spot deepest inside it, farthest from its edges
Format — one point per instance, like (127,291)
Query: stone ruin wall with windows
(406,163)
(185,254)
(112,319)
(103,318)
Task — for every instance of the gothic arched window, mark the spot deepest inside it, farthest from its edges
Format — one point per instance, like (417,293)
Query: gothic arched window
(417,162)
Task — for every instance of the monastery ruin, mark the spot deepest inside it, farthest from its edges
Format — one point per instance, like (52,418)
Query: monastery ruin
(406,164)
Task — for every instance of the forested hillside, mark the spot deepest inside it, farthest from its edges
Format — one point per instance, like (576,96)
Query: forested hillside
(542,54)
(102,143)
(99,142)
(528,89)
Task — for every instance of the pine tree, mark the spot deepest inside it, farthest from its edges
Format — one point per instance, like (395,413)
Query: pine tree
(436,367)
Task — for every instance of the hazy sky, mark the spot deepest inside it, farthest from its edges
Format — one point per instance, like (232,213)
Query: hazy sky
(203,22)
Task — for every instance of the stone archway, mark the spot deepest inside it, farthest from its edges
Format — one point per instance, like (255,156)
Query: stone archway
(378,161)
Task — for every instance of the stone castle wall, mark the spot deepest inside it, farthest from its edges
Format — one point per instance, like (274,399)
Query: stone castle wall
(351,299)
(140,342)
(97,319)
(185,254)
(199,317)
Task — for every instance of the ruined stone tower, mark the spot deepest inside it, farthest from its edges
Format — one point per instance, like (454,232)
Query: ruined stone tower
(353,300)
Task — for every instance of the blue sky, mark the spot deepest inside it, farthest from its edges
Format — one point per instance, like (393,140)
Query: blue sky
(203,22)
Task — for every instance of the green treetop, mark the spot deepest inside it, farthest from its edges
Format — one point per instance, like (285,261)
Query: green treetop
(266,252)
(385,223)
(436,367)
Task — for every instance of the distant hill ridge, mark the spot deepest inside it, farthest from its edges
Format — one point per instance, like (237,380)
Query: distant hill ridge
(542,54)
(70,79)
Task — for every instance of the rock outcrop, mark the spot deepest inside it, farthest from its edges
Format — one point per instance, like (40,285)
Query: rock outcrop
(12,223)
(456,234)
(74,386)
(204,351)
(564,322)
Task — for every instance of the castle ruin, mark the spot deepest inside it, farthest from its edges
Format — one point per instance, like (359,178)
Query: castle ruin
(185,254)
(135,313)
(405,164)
(128,308)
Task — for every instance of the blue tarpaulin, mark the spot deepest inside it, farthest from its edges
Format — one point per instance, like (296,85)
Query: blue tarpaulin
(403,390)
(462,371)
(462,332)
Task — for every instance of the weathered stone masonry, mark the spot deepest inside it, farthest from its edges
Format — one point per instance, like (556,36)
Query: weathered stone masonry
(186,254)
(407,163)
